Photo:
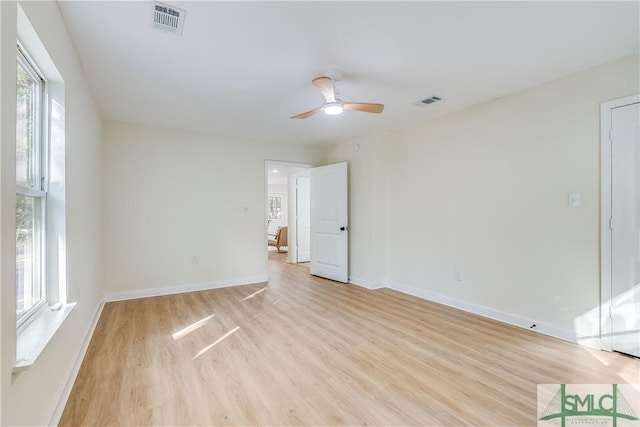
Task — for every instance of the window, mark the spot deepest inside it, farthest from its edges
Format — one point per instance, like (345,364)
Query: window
(275,207)
(31,196)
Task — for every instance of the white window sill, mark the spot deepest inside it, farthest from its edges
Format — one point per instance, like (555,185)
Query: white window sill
(36,335)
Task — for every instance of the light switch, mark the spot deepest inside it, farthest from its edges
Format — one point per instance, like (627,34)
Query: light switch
(574,200)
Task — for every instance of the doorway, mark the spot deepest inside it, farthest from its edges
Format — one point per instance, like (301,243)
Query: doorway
(317,222)
(285,207)
(620,227)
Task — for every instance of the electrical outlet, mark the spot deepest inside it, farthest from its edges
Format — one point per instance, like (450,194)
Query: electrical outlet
(574,200)
(457,275)
(195,259)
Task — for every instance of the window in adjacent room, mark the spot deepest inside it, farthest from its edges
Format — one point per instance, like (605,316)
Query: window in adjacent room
(31,196)
(275,207)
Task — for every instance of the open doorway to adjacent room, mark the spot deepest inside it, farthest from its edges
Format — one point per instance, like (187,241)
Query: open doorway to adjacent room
(288,211)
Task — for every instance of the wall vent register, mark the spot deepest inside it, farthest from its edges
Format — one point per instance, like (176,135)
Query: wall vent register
(428,101)
(167,18)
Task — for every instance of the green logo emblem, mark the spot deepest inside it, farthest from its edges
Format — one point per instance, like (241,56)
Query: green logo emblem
(587,405)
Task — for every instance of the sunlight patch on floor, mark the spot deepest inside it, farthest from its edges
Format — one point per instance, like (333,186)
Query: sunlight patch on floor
(632,378)
(600,356)
(253,294)
(216,342)
(192,327)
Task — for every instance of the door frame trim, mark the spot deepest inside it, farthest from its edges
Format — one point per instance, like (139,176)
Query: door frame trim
(267,164)
(605,214)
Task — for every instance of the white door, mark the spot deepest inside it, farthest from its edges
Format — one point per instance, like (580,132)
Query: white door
(625,229)
(329,227)
(299,217)
(303,217)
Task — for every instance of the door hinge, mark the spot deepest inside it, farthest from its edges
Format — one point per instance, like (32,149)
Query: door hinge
(610,311)
(611,223)
(611,134)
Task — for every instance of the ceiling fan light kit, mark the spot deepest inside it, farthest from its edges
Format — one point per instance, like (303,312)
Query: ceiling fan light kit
(333,108)
(333,105)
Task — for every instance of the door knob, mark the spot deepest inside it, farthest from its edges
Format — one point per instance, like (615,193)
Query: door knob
(344,228)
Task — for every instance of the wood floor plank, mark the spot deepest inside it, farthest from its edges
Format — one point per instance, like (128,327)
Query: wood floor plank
(300,350)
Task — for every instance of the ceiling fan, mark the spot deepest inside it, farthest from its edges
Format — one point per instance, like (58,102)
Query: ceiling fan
(333,105)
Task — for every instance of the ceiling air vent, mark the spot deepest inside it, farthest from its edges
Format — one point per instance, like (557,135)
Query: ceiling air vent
(428,101)
(167,18)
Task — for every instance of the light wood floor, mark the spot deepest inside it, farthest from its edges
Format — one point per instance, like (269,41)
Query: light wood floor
(305,351)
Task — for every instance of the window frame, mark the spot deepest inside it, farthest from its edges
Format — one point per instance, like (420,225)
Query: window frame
(38,187)
(270,206)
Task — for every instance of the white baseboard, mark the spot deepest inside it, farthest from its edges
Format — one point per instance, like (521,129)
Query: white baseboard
(75,368)
(491,313)
(368,284)
(191,287)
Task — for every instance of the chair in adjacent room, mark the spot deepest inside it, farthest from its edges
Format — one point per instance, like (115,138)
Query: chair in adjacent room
(279,239)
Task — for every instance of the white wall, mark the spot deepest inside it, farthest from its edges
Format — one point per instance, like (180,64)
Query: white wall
(278,188)
(30,397)
(8,33)
(484,191)
(171,195)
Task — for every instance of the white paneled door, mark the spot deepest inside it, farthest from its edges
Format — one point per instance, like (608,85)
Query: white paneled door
(625,229)
(303,217)
(329,226)
(300,217)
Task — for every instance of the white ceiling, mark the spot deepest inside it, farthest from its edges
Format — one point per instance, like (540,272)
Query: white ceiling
(241,69)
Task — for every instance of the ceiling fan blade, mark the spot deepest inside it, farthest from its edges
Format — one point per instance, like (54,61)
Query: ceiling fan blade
(363,106)
(325,87)
(308,113)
